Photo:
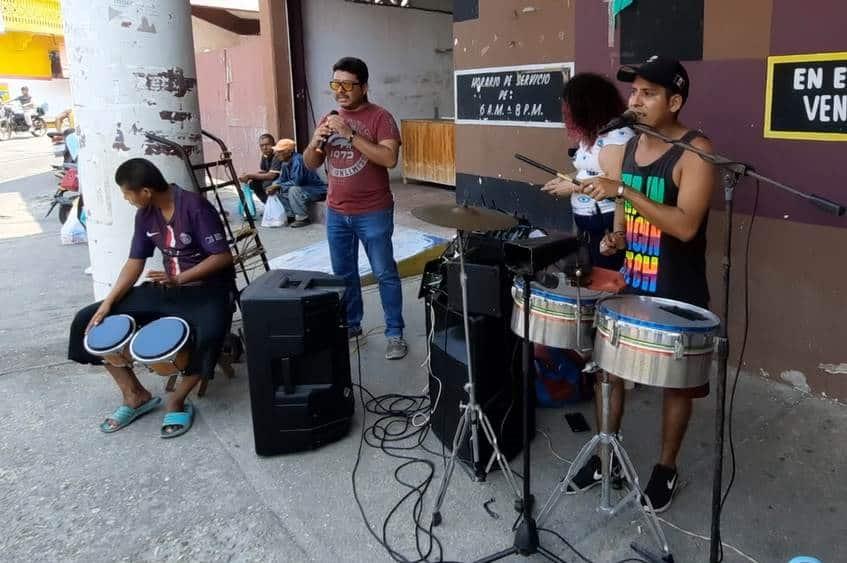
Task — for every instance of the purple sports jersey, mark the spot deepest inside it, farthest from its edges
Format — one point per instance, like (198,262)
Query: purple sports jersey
(194,232)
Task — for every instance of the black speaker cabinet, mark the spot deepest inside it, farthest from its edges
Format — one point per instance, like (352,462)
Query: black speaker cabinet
(495,357)
(298,360)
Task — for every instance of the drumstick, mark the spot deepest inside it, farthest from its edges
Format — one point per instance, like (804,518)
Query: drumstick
(547,169)
(550,170)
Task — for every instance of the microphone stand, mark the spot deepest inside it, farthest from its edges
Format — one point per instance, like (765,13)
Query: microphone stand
(734,171)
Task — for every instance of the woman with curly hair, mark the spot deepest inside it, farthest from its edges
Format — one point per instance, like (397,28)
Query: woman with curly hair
(589,101)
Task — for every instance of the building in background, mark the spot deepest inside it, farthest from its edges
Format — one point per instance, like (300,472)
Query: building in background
(264,65)
(797,266)
(32,52)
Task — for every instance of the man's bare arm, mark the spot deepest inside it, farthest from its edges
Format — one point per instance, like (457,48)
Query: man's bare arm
(682,221)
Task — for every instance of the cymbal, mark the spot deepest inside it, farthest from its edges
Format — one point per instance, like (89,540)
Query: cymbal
(464,218)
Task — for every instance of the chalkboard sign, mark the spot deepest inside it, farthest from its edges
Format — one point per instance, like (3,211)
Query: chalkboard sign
(806,97)
(529,95)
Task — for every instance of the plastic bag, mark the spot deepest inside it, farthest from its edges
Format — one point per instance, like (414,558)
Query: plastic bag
(73,232)
(559,379)
(274,213)
(248,198)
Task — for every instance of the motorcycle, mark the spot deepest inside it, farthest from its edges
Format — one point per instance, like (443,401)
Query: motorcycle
(68,189)
(13,120)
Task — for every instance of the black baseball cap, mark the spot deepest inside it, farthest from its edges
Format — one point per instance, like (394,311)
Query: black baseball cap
(660,70)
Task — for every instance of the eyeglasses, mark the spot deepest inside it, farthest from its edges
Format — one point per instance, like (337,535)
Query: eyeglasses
(344,85)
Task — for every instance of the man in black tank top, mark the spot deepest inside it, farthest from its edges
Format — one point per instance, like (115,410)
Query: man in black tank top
(663,196)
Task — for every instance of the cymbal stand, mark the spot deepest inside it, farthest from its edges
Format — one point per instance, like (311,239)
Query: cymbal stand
(473,416)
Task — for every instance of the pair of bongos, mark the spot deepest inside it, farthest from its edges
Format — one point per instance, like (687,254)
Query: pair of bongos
(162,346)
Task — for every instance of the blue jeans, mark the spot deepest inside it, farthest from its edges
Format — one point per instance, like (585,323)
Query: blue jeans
(374,230)
(296,199)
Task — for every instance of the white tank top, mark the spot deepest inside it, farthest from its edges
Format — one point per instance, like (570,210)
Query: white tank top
(587,164)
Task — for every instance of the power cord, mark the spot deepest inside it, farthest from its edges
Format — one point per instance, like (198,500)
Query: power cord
(390,433)
(733,470)
(580,555)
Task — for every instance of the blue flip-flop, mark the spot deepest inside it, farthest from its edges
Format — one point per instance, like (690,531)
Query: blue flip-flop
(125,415)
(183,419)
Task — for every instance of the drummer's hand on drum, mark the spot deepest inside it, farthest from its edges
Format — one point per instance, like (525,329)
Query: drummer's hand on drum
(101,313)
(163,278)
(600,188)
(559,187)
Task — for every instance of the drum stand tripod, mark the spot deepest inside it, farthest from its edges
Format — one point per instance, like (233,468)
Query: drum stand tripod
(609,445)
(473,417)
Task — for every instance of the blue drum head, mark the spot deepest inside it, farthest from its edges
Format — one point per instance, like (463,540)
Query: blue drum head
(659,313)
(563,294)
(159,338)
(113,330)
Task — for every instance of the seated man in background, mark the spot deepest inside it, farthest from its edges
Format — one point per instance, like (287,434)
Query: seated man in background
(297,185)
(268,168)
(196,284)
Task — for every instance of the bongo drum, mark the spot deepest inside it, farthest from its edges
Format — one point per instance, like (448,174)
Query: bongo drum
(110,340)
(162,346)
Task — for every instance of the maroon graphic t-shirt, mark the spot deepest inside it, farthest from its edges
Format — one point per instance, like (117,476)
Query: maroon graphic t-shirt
(356,185)
(193,234)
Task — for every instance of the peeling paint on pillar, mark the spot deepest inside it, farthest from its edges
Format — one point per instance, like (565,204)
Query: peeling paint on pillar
(172,80)
(175,116)
(132,71)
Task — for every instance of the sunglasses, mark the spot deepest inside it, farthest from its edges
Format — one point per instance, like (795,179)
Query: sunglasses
(344,85)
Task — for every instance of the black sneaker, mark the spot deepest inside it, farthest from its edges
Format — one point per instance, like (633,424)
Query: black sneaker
(661,488)
(592,474)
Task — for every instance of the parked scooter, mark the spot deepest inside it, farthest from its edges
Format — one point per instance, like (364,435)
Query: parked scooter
(13,120)
(68,189)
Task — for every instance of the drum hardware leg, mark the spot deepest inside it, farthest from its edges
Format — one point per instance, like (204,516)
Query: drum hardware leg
(496,454)
(636,493)
(605,442)
(458,438)
(583,456)
(610,448)
(171,383)
(473,416)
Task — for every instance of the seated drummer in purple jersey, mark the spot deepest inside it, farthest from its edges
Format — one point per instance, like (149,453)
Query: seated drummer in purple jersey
(197,284)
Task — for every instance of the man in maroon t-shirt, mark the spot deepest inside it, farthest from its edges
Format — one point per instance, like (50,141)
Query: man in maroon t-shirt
(360,142)
(196,284)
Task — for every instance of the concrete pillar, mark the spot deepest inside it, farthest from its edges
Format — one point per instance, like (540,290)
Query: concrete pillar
(132,71)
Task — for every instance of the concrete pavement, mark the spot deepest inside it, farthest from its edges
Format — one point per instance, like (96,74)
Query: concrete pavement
(70,493)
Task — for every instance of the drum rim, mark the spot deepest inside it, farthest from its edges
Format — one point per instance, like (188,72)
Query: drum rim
(122,343)
(542,291)
(604,310)
(179,346)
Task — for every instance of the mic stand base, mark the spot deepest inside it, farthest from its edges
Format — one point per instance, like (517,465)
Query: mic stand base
(526,536)
(649,555)
(526,544)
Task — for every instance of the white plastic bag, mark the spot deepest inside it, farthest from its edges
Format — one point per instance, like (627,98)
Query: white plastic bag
(274,215)
(72,231)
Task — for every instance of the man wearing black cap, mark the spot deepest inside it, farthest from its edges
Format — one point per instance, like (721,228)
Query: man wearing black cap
(663,194)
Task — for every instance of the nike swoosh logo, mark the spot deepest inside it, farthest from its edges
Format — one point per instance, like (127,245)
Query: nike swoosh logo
(149,234)
(671,483)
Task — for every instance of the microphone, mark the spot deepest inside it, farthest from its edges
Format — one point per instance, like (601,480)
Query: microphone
(322,144)
(626,119)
